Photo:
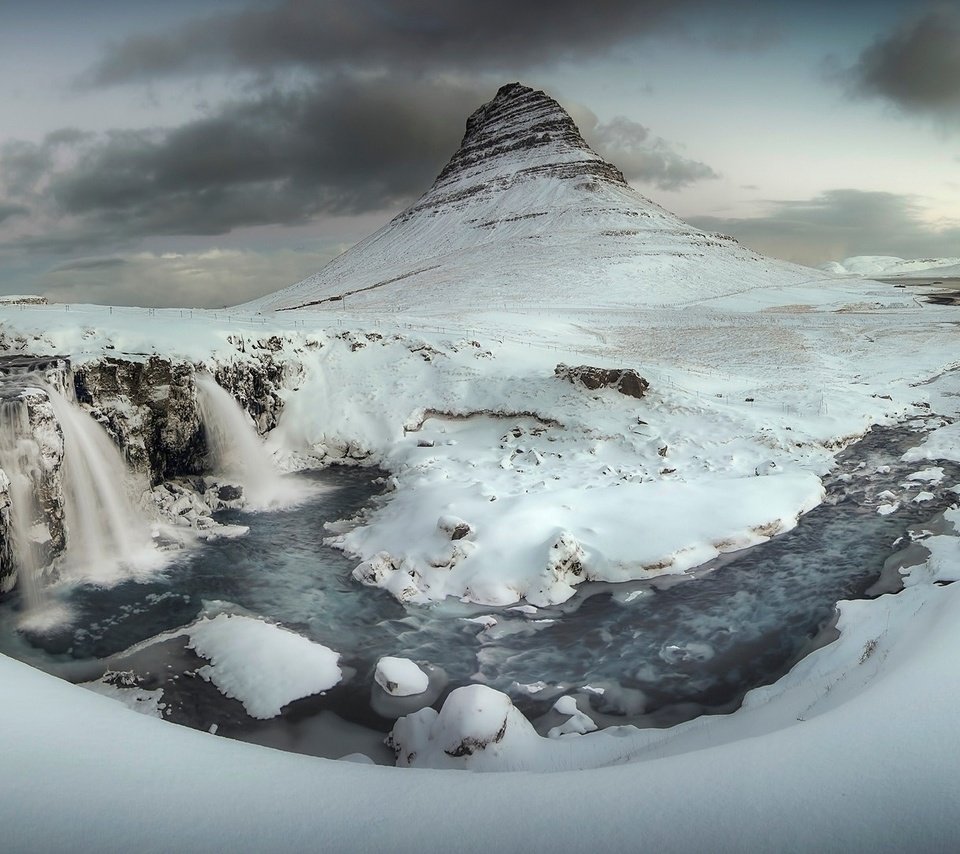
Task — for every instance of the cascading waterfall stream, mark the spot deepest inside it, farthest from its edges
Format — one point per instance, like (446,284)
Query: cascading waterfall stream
(19,455)
(72,499)
(236,450)
(106,535)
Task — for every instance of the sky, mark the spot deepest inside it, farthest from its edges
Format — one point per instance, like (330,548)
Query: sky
(204,152)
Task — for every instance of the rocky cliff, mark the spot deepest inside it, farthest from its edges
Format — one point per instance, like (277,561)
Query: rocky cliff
(149,407)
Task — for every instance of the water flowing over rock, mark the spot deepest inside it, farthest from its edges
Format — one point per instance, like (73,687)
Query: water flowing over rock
(235,449)
(105,531)
(69,496)
(32,527)
(31,449)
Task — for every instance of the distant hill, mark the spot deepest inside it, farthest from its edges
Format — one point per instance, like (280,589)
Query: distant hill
(890,266)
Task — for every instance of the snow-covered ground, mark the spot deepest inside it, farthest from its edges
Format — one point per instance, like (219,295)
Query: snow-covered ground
(855,745)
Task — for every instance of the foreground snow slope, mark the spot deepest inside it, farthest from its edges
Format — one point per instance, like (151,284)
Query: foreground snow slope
(856,750)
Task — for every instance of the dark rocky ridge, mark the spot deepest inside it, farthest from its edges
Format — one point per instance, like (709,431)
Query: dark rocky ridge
(624,380)
(518,121)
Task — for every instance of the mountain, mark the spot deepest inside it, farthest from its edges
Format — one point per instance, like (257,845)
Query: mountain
(890,266)
(525,212)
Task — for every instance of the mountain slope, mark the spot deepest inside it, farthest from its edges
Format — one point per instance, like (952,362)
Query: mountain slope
(525,212)
(891,266)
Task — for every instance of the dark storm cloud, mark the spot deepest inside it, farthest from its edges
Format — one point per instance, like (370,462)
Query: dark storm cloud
(10,210)
(90,264)
(643,157)
(349,146)
(346,147)
(838,224)
(398,34)
(916,67)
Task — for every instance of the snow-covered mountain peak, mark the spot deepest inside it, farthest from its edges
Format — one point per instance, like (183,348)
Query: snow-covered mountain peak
(521,127)
(526,212)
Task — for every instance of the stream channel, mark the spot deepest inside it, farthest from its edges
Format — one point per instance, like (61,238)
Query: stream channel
(649,653)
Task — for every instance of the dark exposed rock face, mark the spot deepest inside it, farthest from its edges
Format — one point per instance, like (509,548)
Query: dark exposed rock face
(518,120)
(625,380)
(8,576)
(150,409)
(519,135)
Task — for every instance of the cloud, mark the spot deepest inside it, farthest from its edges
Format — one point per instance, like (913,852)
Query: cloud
(90,264)
(640,155)
(838,224)
(347,146)
(8,210)
(916,67)
(402,34)
(210,279)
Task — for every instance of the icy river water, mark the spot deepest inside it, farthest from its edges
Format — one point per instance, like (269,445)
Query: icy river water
(647,653)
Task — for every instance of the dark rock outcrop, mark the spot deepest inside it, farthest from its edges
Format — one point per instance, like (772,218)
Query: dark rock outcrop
(150,409)
(624,380)
(520,134)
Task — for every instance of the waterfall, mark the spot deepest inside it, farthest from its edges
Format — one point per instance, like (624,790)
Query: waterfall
(107,537)
(20,461)
(236,450)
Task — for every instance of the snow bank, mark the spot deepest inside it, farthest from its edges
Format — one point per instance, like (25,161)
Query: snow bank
(941,444)
(538,546)
(260,664)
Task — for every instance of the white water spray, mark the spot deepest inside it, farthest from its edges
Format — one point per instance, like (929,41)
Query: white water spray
(20,461)
(107,537)
(236,451)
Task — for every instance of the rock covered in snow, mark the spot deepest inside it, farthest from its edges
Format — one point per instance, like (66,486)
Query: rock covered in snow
(625,380)
(476,727)
(400,677)
(564,570)
(454,527)
(578,723)
(262,665)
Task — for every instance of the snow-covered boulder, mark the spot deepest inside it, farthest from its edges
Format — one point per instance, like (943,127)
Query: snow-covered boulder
(564,570)
(476,728)
(625,380)
(400,677)
(262,665)
(454,527)
(577,723)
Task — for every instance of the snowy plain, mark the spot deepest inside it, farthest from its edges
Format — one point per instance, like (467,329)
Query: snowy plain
(854,750)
